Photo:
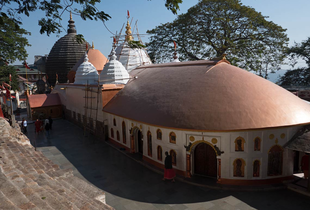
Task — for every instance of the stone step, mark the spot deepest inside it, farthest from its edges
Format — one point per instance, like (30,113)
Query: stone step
(13,194)
(29,180)
(42,196)
(79,199)
(91,191)
(6,204)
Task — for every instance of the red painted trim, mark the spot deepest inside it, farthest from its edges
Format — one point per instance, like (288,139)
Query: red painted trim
(119,145)
(161,166)
(254,182)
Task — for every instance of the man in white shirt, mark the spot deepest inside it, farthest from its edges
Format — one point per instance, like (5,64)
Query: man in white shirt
(25,126)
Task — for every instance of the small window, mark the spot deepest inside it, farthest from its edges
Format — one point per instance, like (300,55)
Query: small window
(149,143)
(117,135)
(257,142)
(114,122)
(124,132)
(239,144)
(159,134)
(239,167)
(159,153)
(172,138)
(256,167)
(112,133)
(173,157)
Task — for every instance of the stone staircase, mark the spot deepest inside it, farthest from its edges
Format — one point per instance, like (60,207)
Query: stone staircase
(28,180)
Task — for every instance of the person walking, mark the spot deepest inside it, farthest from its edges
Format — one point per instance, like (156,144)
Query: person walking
(305,165)
(50,122)
(169,173)
(47,127)
(25,125)
(37,126)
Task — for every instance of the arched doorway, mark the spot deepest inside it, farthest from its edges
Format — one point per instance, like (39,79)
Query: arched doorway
(205,162)
(138,141)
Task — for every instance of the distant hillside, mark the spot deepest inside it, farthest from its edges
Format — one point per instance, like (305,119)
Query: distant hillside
(274,77)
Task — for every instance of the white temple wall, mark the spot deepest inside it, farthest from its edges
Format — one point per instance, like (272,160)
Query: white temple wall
(225,141)
(73,97)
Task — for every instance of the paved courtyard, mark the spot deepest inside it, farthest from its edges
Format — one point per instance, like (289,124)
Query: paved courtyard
(130,185)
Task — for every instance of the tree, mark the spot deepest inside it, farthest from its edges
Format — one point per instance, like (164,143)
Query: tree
(5,72)
(297,77)
(300,50)
(216,27)
(10,11)
(12,42)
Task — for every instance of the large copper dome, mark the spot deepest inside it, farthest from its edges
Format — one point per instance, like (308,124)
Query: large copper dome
(207,96)
(64,55)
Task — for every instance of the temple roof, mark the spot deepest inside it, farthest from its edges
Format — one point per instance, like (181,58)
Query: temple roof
(206,95)
(95,57)
(64,55)
(86,73)
(114,72)
(44,100)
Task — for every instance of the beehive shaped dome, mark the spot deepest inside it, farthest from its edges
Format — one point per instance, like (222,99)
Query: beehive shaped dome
(64,55)
(86,73)
(114,72)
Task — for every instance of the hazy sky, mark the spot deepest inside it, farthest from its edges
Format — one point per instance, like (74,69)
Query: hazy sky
(292,15)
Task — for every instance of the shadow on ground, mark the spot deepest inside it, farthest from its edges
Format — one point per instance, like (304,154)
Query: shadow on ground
(113,172)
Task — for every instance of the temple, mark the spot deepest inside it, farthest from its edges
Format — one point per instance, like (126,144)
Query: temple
(216,120)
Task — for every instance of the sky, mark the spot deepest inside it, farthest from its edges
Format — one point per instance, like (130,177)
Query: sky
(291,15)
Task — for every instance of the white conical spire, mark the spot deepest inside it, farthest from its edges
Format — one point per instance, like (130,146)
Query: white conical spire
(114,72)
(86,73)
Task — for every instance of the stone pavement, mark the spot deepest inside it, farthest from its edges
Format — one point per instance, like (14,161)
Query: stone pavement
(130,185)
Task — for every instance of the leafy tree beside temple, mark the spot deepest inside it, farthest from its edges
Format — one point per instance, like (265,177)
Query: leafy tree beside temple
(216,27)
(299,76)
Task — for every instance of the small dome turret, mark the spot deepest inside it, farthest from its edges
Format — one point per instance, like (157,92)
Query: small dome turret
(114,72)
(86,73)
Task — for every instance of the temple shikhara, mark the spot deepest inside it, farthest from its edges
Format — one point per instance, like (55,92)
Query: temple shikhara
(215,119)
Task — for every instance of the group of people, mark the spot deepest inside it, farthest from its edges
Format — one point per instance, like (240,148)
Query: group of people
(40,126)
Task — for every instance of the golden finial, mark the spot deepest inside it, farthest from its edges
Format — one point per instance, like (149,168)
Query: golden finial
(92,46)
(222,57)
(70,15)
(128,32)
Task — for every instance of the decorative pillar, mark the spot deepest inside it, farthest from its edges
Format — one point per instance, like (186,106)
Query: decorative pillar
(188,165)
(219,170)
(132,144)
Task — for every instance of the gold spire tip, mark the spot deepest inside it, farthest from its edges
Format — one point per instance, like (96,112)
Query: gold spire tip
(70,15)
(92,45)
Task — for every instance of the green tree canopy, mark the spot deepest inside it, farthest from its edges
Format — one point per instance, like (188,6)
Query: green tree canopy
(5,72)
(11,38)
(300,50)
(299,76)
(296,77)
(12,42)
(214,27)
